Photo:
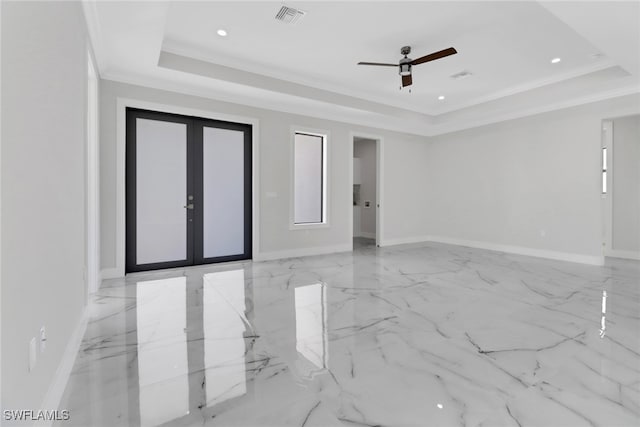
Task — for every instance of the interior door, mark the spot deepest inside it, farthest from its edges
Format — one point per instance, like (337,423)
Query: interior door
(188,191)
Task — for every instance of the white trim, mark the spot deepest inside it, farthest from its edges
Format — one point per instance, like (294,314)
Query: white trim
(607,141)
(303,252)
(350,225)
(326,111)
(366,235)
(63,372)
(518,250)
(406,240)
(92,177)
(404,126)
(192,52)
(536,84)
(95,34)
(575,102)
(326,181)
(183,50)
(622,254)
(121,105)
(380,192)
(110,273)
(188,51)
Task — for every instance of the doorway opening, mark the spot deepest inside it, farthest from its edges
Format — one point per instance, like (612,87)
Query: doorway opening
(188,191)
(366,192)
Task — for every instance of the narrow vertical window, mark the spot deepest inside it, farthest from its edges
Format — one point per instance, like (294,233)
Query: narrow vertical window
(309,178)
(604,170)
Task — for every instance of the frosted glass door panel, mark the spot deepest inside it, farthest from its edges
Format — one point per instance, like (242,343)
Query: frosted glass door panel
(161,191)
(223,192)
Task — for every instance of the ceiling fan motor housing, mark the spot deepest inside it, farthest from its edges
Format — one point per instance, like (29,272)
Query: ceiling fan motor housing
(405,66)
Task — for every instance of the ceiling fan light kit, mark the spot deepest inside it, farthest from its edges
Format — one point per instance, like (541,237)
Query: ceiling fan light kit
(405,64)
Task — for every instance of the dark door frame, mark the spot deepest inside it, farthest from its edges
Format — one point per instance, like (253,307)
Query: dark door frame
(195,220)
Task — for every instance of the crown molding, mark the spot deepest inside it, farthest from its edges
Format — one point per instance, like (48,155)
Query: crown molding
(536,84)
(327,113)
(324,111)
(90,10)
(575,102)
(181,49)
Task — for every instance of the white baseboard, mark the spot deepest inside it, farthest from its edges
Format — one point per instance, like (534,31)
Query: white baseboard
(294,253)
(63,372)
(518,250)
(405,240)
(622,254)
(110,273)
(366,235)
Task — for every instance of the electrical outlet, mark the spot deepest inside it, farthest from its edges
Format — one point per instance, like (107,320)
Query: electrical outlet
(43,340)
(32,354)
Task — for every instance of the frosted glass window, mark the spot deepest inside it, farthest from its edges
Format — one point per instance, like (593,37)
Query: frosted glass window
(309,178)
(311,324)
(163,369)
(224,327)
(223,192)
(161,191)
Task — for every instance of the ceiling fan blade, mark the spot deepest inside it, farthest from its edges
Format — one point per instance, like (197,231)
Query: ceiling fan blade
(378,63)
(407,80)
(435,55)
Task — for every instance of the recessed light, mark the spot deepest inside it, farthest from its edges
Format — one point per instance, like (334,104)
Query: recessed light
(556,60)
(440,406)
(441,98)
(222,33)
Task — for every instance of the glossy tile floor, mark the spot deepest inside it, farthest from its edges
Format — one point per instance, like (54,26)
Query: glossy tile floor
(416,335)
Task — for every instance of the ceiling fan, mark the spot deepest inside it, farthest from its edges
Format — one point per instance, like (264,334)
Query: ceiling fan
(405,64)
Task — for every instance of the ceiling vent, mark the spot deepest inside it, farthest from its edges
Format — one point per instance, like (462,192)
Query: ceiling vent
(461,75)
(290,15)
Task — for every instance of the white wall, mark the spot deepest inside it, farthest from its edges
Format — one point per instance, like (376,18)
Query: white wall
(1,400)
(274,144)
(44,82)
(626,185)
(365,150)
(530,185)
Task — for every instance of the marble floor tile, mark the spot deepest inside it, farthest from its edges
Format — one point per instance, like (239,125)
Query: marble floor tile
(413,335)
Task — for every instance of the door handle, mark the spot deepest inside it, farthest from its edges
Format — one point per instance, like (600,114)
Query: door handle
(189,206)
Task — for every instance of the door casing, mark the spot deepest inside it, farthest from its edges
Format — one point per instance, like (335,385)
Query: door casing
(195,218)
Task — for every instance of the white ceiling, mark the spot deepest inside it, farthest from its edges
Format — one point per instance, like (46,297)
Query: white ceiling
(310,67)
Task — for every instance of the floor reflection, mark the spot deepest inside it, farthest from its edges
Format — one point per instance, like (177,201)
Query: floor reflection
(383,337)
(311,326)
(603,320)
(162,350)
(224,324)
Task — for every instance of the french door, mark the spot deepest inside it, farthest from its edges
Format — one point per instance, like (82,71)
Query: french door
(188,184)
